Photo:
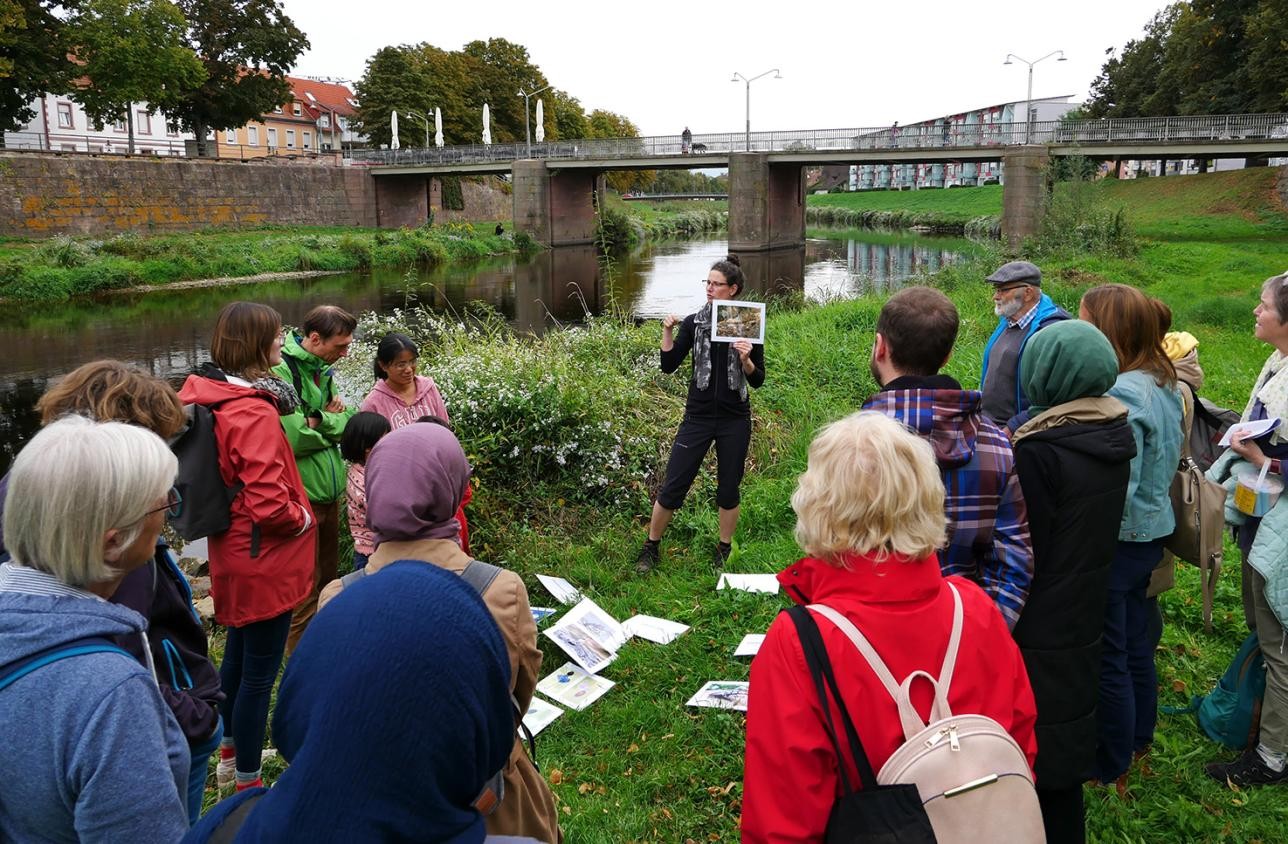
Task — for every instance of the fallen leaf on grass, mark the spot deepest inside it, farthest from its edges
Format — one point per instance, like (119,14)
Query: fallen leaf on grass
(634,748)
(556,776)
(584,787)
(668,814)
(1178,685)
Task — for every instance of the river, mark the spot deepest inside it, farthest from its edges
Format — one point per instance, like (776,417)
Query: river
(168,332)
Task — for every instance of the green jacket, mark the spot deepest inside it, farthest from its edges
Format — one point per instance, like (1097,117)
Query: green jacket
(317,450)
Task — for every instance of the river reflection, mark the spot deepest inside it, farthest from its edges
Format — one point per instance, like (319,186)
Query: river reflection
(167,333)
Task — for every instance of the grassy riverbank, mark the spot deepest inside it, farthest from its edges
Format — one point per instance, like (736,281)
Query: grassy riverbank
(1214,206)
(62,267)
(568,435)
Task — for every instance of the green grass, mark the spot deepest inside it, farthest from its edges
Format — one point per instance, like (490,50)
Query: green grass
(1234,205)
(641,766)
(63,267)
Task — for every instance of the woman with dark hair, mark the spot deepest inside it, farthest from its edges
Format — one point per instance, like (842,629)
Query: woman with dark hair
(361,434)
(403,397)
(400,395)
(717,411)
(1146,383)
(261,568)
(175,642)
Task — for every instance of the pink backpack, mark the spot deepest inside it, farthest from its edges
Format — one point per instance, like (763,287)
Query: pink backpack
(973,778)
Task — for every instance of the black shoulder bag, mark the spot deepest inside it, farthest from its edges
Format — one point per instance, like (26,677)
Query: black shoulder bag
(874,814)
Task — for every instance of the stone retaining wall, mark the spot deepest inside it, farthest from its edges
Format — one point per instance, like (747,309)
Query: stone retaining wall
(51,194)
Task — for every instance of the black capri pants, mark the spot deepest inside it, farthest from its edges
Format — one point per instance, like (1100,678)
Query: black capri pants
(732,436)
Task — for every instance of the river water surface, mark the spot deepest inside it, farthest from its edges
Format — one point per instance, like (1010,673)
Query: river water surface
(168,332)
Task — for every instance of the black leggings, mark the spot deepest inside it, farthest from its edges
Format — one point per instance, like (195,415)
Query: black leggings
(732,436)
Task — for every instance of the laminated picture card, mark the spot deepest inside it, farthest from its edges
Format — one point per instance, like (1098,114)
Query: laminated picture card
(731,321)
(589,635)
(574,688)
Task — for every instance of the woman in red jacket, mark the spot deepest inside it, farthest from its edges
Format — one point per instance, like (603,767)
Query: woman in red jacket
(870,514)
(262,566)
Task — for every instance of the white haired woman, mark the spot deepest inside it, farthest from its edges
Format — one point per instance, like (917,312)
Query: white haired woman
(870,514)
(90,752)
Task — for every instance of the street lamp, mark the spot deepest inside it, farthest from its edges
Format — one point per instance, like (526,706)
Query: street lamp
(1028,102)
(423,119)
(738,76)
(527,98)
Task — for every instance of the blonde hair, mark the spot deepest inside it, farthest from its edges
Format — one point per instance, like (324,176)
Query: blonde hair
(72,483)
(871,487)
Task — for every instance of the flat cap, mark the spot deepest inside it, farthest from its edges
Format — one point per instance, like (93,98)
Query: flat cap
(1017,271)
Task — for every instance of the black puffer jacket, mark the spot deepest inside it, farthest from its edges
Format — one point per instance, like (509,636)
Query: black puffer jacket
(1074,479)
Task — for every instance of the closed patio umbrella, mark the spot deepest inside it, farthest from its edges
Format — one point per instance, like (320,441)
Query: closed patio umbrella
(393,130)
(487,125)
(438,128)
(541,122)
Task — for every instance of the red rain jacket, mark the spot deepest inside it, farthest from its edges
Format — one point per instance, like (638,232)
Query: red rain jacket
(905,610)
(262,566)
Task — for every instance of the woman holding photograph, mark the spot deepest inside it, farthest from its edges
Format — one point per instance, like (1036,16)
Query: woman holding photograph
(717,411)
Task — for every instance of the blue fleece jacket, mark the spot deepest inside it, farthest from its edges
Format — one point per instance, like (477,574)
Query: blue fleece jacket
(88,749)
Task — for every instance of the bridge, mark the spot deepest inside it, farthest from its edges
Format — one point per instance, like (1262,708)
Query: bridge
(554,189)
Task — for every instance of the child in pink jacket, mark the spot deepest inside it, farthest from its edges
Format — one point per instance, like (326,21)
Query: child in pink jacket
(361,434)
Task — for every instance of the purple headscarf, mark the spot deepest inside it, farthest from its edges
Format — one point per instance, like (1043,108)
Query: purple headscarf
(416,478)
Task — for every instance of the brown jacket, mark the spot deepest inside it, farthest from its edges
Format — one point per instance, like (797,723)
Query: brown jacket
(528,807)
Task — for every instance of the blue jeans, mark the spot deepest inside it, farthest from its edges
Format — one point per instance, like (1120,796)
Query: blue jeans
(1128,704)
(359,561)
(200,770)
(252,656)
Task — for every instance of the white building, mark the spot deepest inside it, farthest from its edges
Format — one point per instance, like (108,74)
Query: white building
(61,125)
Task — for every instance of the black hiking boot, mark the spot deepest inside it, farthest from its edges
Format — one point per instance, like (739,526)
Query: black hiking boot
(648,557)
(1248,770)
(723,551)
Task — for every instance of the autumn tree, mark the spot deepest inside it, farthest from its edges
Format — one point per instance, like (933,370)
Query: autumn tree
(395,80)
(502,69)
(33,56)
(132,51)
(247,48)
(610,125)
(568,117)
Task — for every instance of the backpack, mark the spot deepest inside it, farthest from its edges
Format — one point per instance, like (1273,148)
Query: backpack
(199,482)
(14,671)
(1210,424)
(1230,714)
(298,383)
(973,779)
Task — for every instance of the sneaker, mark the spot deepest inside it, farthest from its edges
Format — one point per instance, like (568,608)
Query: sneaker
(226,770)
(648,557)
(1248,770)
(723,552)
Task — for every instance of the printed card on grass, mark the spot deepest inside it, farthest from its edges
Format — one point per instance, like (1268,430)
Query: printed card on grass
(540,715)
(766,583)
(573,687)
(722,694)
(589,635)
(540,614)
(660,630)
(564,592)
(750,644)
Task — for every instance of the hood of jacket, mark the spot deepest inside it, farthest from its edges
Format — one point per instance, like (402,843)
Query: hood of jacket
(1108,440)
(32,623)
(948,419)
(201,389)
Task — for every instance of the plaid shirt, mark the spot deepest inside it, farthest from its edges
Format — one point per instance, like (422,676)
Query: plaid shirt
(988,524)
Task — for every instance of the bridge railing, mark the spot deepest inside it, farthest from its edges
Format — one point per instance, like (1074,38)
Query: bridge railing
(935,135)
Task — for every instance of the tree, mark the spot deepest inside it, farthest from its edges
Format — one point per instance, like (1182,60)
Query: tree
(132,51)
(33,56)
(395,80)
(1128,85)
(247,47)
(608,124)
(570,121)
(502,69)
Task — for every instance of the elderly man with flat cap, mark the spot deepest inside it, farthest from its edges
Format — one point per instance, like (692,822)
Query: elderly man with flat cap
(1023,310)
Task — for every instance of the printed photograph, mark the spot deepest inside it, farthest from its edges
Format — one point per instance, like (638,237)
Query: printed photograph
(732,321)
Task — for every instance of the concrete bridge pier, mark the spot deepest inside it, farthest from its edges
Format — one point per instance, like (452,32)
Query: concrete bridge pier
(1025,193)
(766,203)
(556,207)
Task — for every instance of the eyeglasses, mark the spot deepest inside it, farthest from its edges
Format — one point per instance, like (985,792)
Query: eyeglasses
(401,364)
(709,283)
(173,505)
(1007,288)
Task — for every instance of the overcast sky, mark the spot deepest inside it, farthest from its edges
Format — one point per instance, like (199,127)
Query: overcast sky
(665,65)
